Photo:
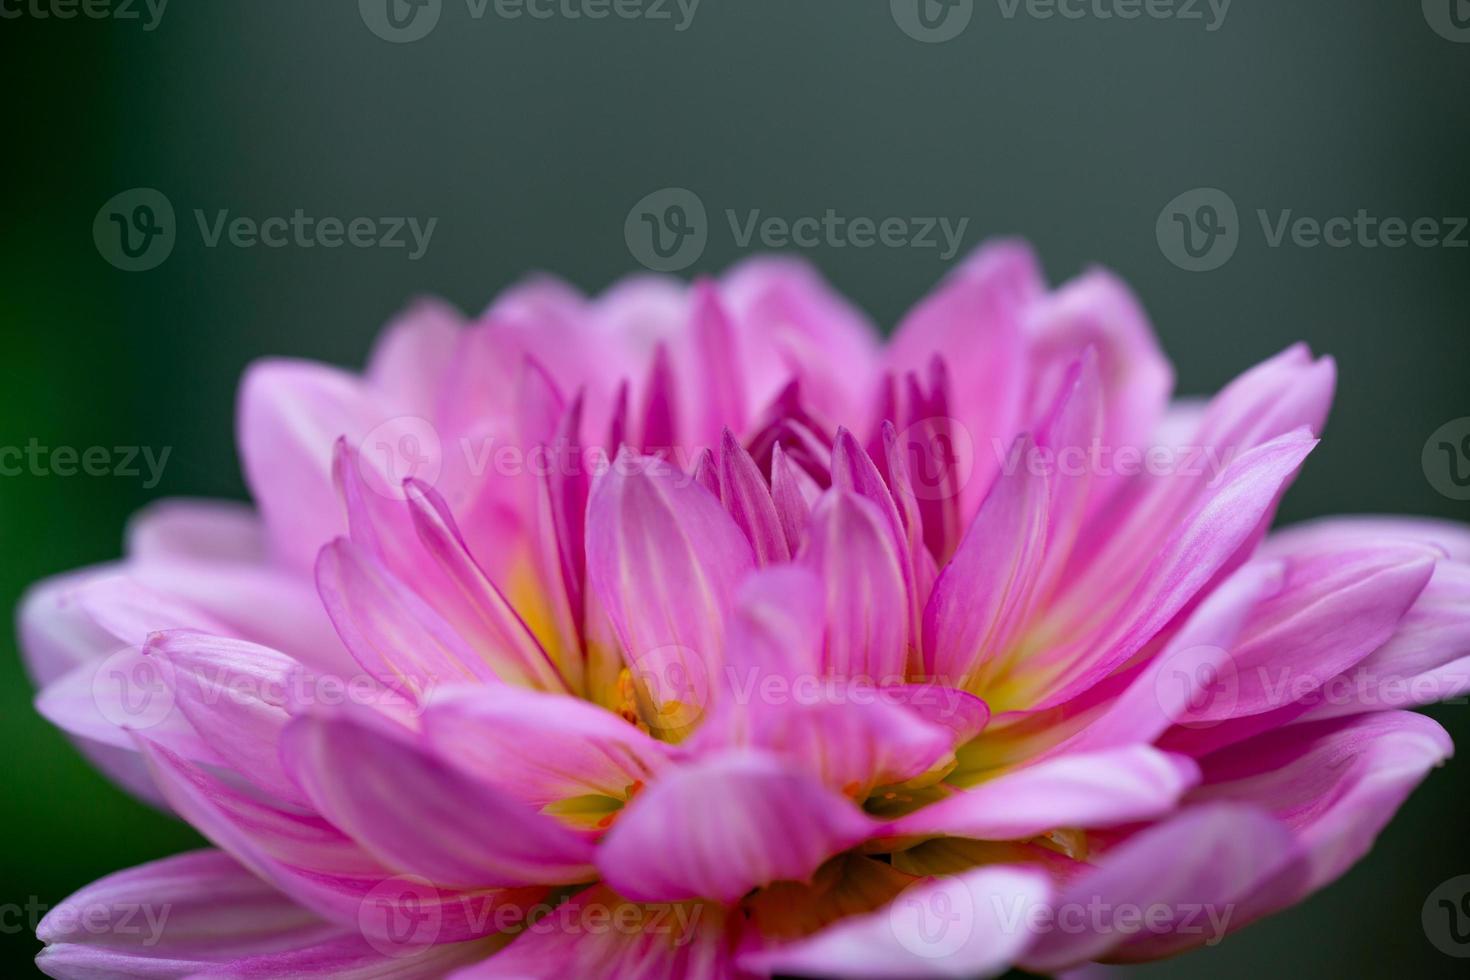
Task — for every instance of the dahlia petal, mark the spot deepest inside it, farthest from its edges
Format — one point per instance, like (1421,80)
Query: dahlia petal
(383,792)
(970,925)
(1284,394)
(1335,784)
(853,737)
(516,654)
(412,357)
(597,933)
(853,470)
(715,355)
(1195,551)
(982,596)
(290,415)
(197,908)
(1180,883)
(974,321)
(1426,660)
(1330,532)
(234,694)
(357,958)
(103,700)
(776,626)
(664,559)
(851,547)
(1096,789)
(581,749)
(307,858)
(1098,311)
(748,499)
(1330,612)
(723,825)
(1139,705)
(203,530)
(793,492)
(792,324)
(391,632)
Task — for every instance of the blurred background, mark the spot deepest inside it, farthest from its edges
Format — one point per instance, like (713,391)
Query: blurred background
(529,140)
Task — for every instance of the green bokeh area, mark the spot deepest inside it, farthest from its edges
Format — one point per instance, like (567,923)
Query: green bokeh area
(530,140)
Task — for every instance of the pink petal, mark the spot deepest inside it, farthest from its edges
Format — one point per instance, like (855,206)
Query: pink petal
(580,748)
(1335,784)
(512,650)
(974,321)
(1098,311)
(1181,883)
(1096,789)
(982,597)
(234,694)
(193,909)
(746,496)
(1199,546)
(969,925)
(413,356)
(421,817)
(392,633)
(852,548)
(1330,612)
(203,530)
(290,414)
(724,825)
(597,933)
(664,559)
(1451,537)
(1426,660)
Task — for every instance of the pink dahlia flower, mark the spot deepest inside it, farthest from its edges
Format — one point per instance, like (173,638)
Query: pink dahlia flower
(692,631)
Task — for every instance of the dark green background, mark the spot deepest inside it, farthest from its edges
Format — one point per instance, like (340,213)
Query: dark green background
(531,140)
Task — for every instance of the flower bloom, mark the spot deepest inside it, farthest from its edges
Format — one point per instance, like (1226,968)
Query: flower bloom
(692,631)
